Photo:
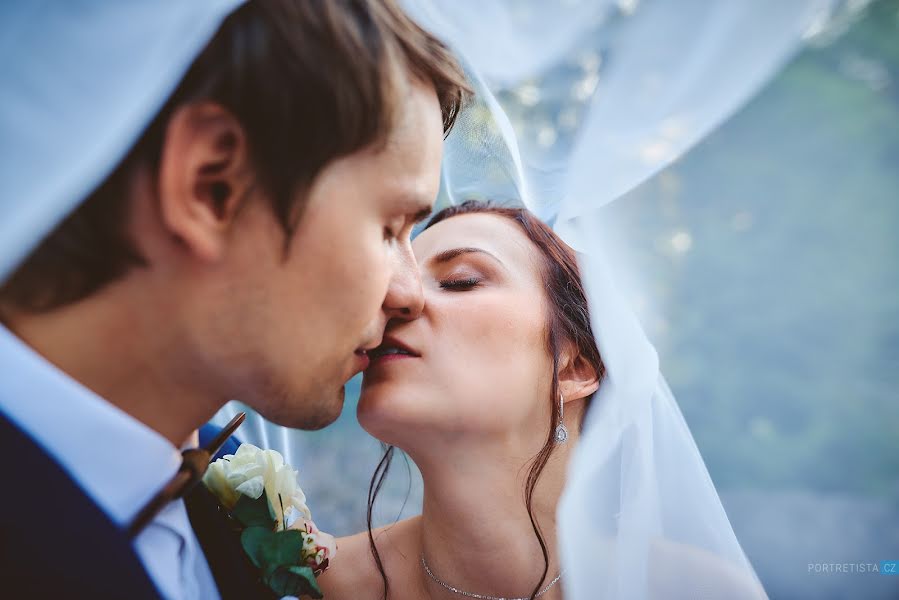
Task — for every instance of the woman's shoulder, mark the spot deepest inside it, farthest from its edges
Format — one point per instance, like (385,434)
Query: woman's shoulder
(354,574)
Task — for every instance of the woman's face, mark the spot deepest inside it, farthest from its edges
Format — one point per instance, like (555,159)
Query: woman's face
(475,360)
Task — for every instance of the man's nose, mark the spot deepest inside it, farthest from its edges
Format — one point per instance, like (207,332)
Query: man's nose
(404,299)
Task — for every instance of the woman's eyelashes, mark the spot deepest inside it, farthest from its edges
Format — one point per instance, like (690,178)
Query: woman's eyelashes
(460,284)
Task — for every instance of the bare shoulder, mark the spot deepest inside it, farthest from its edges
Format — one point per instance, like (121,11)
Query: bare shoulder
(354,574)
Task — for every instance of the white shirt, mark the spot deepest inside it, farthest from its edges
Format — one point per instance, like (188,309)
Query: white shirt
(119,462)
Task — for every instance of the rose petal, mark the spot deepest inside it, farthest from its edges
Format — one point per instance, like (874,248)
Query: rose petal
(252,487)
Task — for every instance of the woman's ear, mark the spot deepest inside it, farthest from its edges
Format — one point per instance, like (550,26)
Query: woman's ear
(577,377)
(204,177)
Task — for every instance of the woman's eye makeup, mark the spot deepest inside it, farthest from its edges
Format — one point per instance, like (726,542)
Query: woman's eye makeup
(462,269)
(459,283)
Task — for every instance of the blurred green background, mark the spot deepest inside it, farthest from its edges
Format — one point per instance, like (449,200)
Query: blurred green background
(775,245)
(770,255)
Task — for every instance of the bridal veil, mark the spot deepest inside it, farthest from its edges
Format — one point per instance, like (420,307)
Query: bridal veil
(577,103)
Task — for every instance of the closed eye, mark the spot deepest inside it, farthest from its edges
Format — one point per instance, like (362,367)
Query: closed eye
(460,284)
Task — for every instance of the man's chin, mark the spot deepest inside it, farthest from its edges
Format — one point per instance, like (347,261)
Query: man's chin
(322,421)
(310,414)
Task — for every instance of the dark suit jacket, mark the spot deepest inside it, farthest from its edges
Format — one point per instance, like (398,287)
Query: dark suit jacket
(55,542)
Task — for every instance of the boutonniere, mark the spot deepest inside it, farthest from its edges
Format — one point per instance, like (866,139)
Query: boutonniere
(261,495)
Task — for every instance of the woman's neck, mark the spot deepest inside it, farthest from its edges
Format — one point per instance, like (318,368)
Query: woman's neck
(476,532)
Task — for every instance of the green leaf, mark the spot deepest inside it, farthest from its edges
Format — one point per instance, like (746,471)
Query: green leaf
(277,553)
(254,513)
(254,540)
(283,548)
(293,580)
(270,550)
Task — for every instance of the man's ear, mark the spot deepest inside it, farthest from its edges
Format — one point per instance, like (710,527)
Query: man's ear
(204,177)
(577,377)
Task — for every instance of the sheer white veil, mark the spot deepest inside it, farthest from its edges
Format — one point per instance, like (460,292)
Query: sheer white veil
(79,81)
(578,103)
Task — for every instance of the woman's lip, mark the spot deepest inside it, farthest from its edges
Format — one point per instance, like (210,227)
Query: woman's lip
(389,358)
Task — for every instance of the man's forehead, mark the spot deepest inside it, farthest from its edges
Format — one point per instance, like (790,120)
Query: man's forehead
(415,107)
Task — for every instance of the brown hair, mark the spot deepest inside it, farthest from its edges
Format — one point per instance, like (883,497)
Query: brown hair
(568,321)
(309,81)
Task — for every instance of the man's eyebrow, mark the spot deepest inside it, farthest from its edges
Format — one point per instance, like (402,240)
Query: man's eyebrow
(421,215)
(448,255)
(416,207)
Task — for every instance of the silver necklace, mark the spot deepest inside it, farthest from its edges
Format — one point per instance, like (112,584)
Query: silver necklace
(480,596)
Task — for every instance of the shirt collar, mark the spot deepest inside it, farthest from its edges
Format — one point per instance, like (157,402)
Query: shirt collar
(116,459)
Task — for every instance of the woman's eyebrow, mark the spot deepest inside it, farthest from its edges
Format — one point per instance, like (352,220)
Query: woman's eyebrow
(448,255)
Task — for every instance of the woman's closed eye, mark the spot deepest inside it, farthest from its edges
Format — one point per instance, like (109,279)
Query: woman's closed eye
(460,284)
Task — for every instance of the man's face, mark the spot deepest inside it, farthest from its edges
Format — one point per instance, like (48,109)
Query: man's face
(288,330)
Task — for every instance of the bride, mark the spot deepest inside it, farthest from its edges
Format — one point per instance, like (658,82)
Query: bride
(484,380)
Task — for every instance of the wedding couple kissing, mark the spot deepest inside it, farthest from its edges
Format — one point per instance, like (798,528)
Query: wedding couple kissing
(252,241)
(213,201)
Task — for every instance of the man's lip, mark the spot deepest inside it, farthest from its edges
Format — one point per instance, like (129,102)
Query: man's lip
(362,361)
(369,346)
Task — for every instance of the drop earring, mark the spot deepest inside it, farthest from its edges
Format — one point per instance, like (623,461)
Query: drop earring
(561,430)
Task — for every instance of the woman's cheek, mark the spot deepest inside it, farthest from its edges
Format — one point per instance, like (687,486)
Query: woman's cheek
(503,352)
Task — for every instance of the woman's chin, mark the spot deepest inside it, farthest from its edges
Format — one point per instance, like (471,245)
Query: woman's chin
(377,412)
(389,418)
(386,431)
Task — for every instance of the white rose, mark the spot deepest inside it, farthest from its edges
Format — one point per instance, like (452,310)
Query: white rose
(216,479)
(250,471)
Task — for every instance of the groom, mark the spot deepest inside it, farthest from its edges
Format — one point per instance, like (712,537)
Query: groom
(211,201)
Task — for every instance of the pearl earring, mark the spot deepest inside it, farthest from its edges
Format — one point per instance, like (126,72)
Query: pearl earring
(561,430)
